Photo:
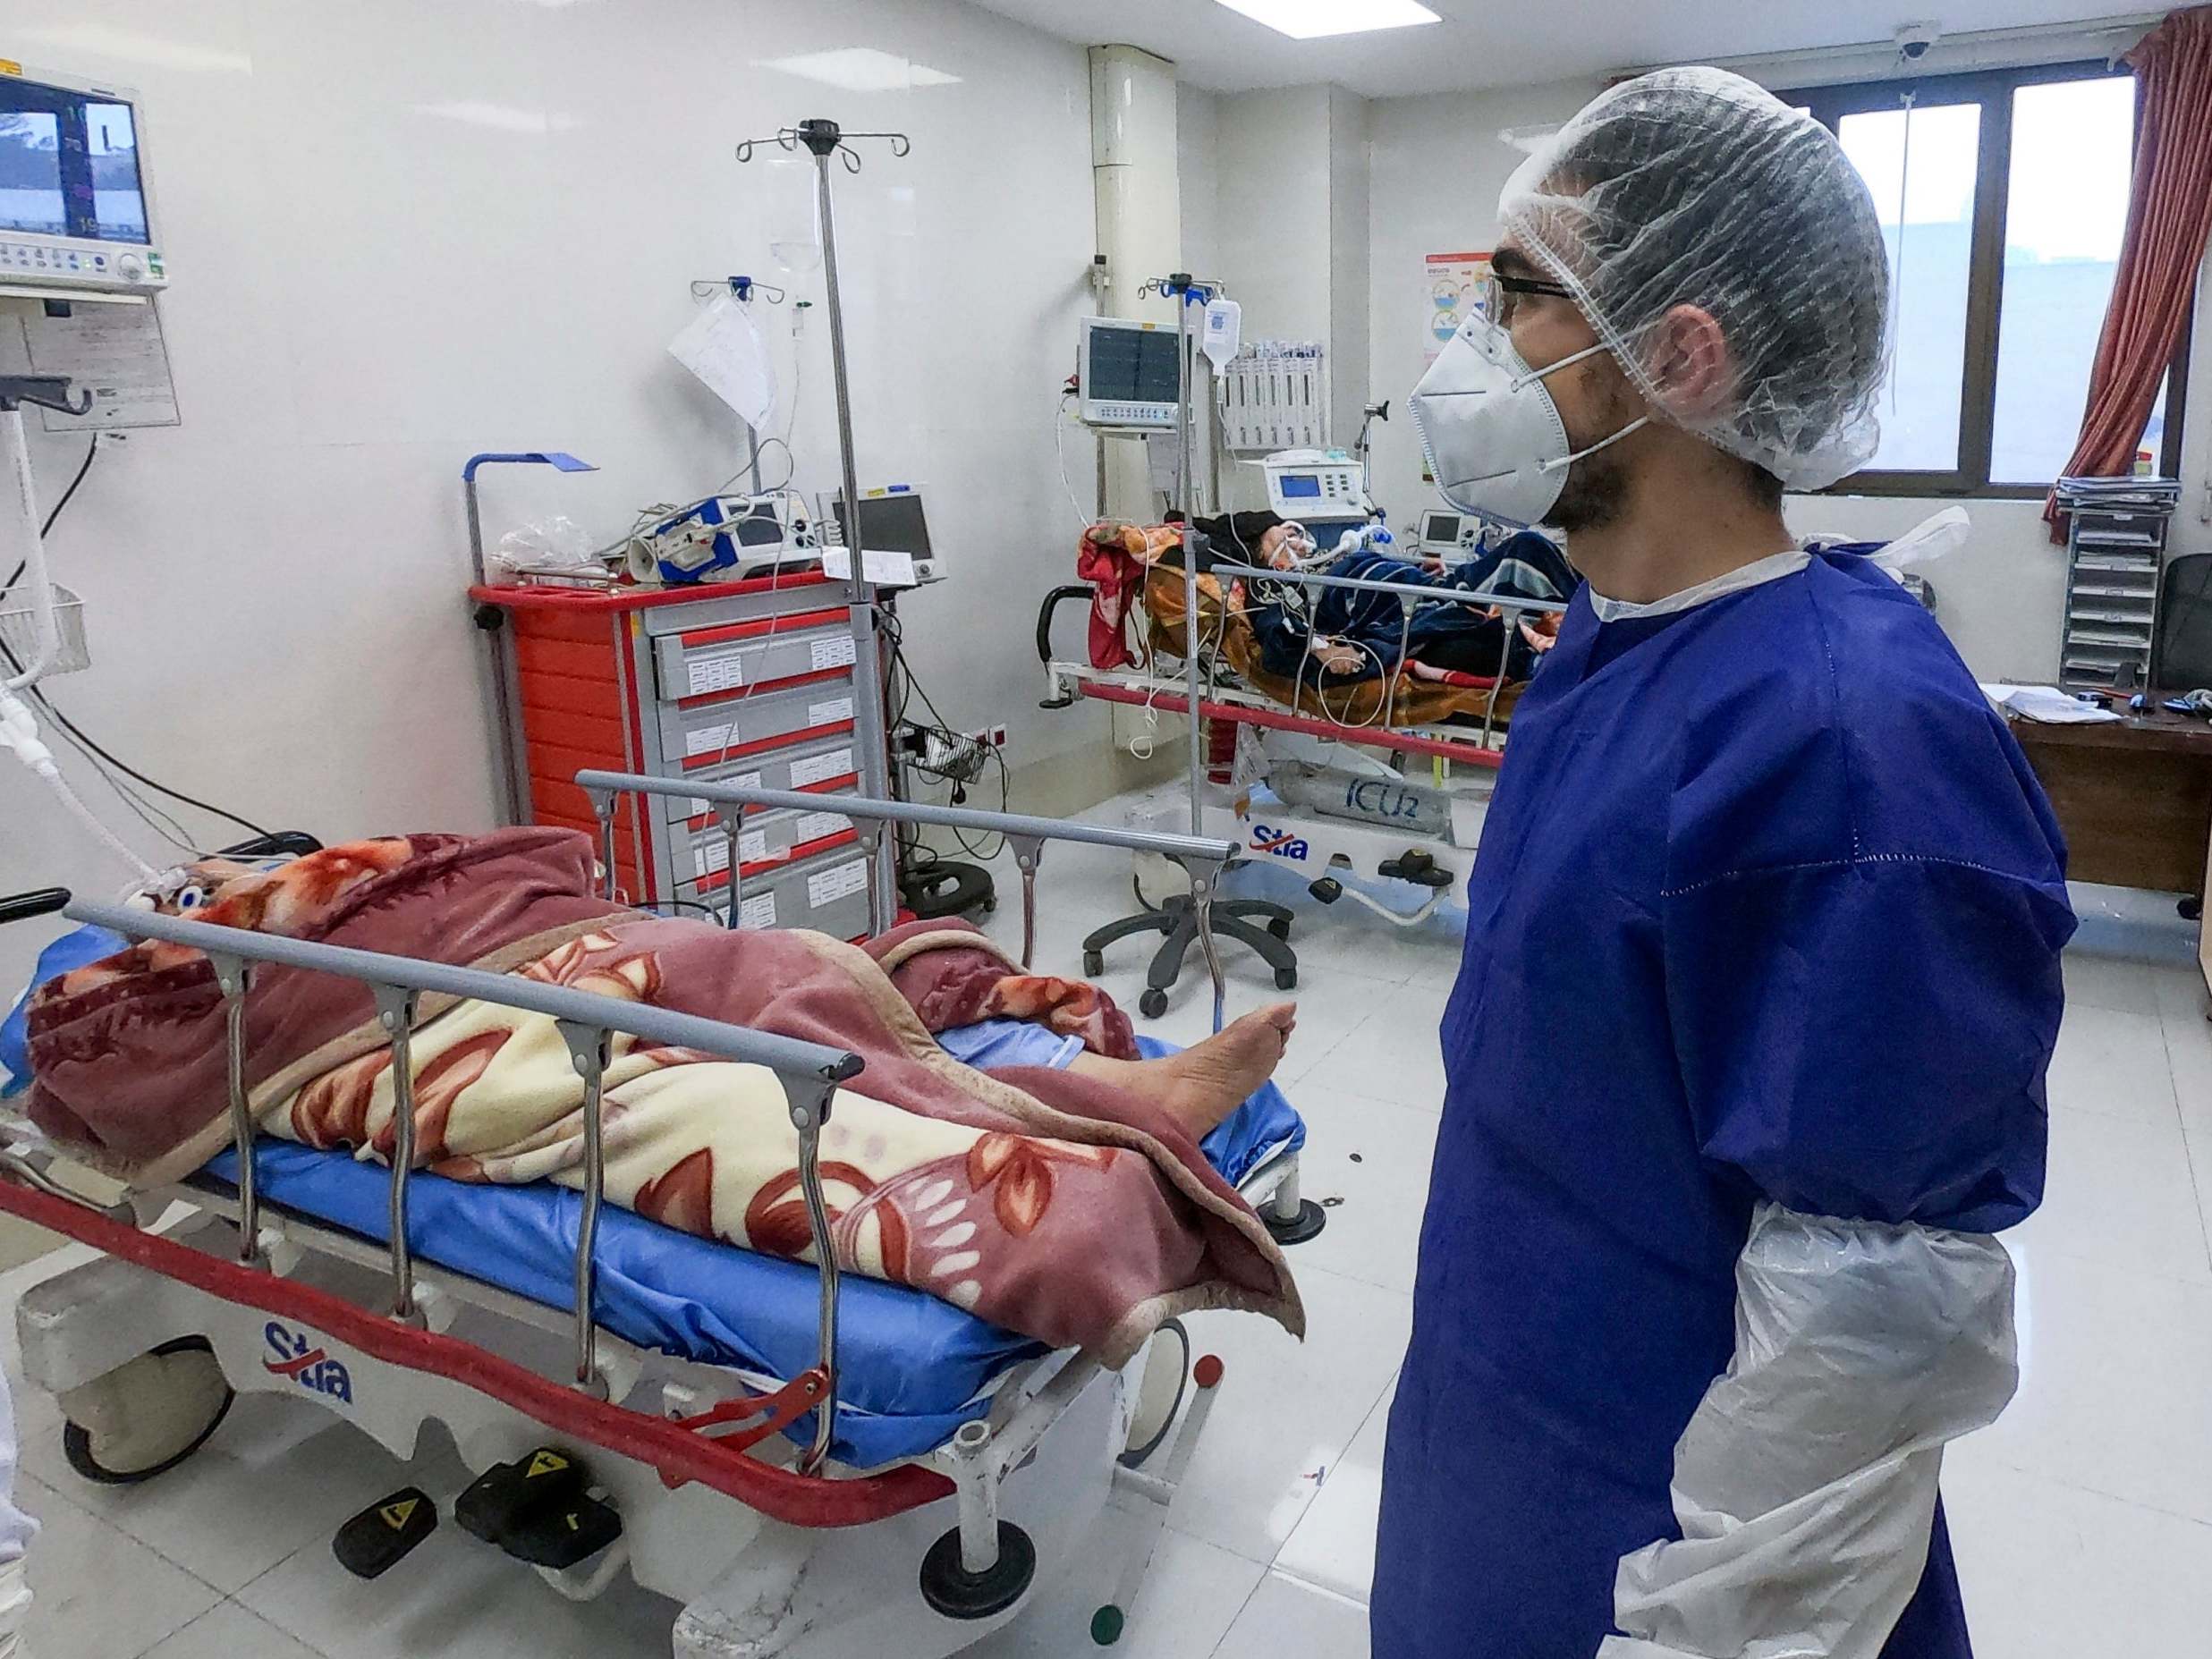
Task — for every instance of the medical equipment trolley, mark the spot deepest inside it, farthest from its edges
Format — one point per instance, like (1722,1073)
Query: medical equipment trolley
(745,683)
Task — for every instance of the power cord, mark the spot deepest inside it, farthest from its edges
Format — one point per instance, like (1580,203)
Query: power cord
(77,735)
(903,682)
(83,467)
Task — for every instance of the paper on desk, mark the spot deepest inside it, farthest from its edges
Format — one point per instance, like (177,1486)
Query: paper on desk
(887,567)
(2047,705)
(723,347)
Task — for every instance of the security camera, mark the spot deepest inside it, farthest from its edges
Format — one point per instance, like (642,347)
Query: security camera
(1914,39)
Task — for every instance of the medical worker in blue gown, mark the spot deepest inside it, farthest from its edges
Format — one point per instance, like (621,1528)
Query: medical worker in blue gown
(1746,1055)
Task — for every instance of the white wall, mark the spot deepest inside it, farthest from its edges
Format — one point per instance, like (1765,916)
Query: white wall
(405,231)
(1438,167)
(1289,184)
(1273,199)
(1198,169)
(1351,300)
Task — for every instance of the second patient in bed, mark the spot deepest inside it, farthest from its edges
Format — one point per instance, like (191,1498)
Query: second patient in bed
(1209,1081)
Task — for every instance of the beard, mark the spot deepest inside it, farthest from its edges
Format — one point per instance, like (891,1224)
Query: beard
(1595,494)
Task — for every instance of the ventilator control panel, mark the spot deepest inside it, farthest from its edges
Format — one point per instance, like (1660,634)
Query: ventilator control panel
(1305,484)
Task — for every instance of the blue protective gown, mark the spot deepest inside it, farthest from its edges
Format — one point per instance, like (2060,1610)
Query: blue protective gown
(1768,904)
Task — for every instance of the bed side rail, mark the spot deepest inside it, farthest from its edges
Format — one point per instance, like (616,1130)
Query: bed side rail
(1057,697)
(1408,595)
(1202,858)
(22,907)
(808,1072)
(1407,590)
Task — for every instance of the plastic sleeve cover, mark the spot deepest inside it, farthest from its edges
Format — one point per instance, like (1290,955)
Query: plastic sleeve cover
(1805,1482)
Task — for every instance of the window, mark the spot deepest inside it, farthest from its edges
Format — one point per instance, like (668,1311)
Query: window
(2002,199)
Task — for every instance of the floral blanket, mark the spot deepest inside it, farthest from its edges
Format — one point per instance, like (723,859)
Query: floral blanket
(1051,1203)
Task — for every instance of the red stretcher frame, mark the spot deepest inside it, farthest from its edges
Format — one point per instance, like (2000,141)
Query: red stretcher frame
(677,1453)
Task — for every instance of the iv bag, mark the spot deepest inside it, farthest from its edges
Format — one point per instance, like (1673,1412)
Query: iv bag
(1225,332)
(793,223)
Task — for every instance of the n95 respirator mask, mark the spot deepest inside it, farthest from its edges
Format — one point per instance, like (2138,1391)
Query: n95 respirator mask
(1493,436)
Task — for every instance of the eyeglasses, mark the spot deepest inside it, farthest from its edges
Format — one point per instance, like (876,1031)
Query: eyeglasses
(1500,291)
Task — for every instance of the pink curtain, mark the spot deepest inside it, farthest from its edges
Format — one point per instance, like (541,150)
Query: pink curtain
(2169,220)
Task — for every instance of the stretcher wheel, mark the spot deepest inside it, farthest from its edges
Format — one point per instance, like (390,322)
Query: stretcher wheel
(958,1594)
(1286,978)
(1094,964)
(1160,1390)
(1306,1224)
(1153,1003)
(150,1414)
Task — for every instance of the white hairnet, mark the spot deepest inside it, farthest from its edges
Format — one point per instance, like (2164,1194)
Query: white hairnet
(1695,187)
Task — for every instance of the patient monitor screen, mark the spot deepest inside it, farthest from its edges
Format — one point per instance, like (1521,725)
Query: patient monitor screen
(69,163)
(889,523)
(1132,366)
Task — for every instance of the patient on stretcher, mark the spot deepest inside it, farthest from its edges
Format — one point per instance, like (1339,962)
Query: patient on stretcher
(1062,1196)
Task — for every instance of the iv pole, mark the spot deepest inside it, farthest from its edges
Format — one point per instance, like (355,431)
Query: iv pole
(1188,292)
(822,140)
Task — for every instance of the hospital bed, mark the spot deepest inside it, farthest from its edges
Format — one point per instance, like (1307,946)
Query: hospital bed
(814,1466)
(1391,789)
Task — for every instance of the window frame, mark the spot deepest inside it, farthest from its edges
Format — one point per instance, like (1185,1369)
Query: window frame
(1993,91)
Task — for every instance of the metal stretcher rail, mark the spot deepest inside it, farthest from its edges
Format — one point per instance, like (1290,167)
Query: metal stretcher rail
(1202,858)
(1410,591)
(808,1072)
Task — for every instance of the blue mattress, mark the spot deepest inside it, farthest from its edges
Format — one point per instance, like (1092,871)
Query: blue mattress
(912,1369)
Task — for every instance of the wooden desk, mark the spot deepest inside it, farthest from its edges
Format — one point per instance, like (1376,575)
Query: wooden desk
(2133,795)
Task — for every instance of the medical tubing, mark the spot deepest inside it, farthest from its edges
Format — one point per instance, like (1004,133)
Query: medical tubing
(51,775)
(98,755)
(54,513)
(46,632)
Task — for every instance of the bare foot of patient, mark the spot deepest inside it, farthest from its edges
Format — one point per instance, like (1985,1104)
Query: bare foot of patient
(1209,1081)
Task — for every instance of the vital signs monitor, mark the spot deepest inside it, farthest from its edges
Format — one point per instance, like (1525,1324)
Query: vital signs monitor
(74,208)
(1128,373)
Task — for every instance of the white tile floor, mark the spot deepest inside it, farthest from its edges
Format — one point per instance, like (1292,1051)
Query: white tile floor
(2083,1520)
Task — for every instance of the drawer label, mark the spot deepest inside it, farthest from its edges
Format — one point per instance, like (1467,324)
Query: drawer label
(814,826)
(704,740)
(820,768)
(722,673)
(830,713)
(710,854)
(832,653)
(828,886)
(699,807)
(758,911)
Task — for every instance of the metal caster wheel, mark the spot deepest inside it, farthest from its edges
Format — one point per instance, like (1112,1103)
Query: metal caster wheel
(958,1594)
(1306,1224)
(147,1417)
(1280,927)
(1159,1392)
(1094,964)
(1153,1003)
(1286,978)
